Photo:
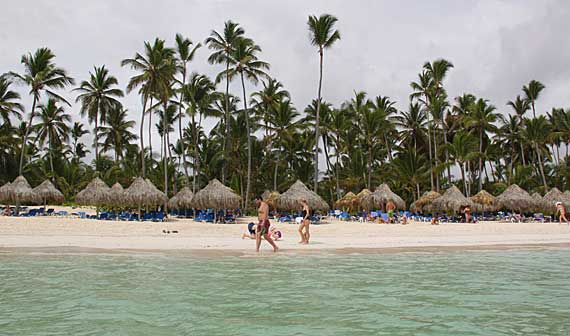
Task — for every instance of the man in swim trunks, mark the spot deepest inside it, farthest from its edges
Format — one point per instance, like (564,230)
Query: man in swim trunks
(263,224)
(390,207)
(560,208)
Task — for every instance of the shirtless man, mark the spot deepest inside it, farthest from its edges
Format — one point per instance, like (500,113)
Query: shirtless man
(560,208)
(263,224)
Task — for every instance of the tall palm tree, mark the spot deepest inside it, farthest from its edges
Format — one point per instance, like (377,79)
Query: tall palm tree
(481,120)
(537,131)
(9,105)
(323,36)
(245,64)
(41,75)
(156,71)
(532,91)
(462,149)
(339,122)
(185,54)
(509,136)
(223,46)
(412,124)
(116,133)
(422,93)
(520,107)
(53,127)
(77,132)
(98,97)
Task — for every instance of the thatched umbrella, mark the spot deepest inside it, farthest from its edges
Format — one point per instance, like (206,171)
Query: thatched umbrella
(425,202)
(515,198)
(553,196)
(484,201)
(365,199)
(216,196)
(96,193)
(539,204)
(290,199)
(265,195)
(182,200)
(5,193)
(271,199)
(143,192)
(452,200)
(48,192)
(20,191)
(350,201)
(383,194)
(117,195)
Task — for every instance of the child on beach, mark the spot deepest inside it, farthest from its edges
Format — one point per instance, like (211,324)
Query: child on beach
(560,209)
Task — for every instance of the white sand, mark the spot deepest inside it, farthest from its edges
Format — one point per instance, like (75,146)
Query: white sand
(40,232)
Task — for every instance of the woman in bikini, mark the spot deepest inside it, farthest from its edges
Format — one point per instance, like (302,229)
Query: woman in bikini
(304,226)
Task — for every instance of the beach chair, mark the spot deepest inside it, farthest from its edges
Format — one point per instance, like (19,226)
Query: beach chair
(344,216)
(50,212)
(384,217)
(112,216)
(103,215)
(158,217)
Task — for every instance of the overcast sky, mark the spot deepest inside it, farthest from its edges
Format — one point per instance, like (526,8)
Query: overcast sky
(496,46)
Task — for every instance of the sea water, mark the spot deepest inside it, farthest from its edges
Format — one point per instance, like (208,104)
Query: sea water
(518,292)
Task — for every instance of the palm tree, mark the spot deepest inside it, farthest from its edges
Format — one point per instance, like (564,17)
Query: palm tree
(156,71)
(412,125)
(481,120)
(223,45)
(520,107)
(117,133)
(41,75)
(532,91)
(462,149)
(323,36)
(509,136)
(9,105)
(422,93)
(245,64)
(98,97)
(185,54)
(339,122)
(537,131)
(77,132)
(53,127)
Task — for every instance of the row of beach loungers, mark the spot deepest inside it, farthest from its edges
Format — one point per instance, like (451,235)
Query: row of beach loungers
(499,216)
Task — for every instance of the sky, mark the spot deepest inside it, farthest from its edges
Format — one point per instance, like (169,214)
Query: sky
(496,46)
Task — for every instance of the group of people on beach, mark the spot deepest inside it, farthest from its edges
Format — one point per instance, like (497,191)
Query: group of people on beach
(264,229)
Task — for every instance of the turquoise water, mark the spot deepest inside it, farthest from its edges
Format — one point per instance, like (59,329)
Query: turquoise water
(449,293)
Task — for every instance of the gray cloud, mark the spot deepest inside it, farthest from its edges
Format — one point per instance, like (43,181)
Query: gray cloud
(496,46)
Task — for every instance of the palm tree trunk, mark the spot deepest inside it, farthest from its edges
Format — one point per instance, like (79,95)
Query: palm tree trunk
(327,158)
(480,159)
(316,172)
(369,167)
(437,184)
(26,134)
(430,157)
(226,144)
(337,170)
(150,127)
(50,156)
(541,166)
(246,112)
(275,175)
(180,134)
(388,148)
(143,170)
(164,132)
(96,134)
(462,167)
(522,155)
(195,143)
(447,155)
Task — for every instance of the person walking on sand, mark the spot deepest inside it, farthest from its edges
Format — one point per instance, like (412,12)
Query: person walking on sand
(390,207)
(560,209)
(263,224)
(304,226)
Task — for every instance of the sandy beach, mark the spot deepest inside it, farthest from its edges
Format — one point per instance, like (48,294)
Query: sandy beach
(54,232)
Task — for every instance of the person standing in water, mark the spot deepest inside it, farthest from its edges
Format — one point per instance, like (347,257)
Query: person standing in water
(304,226)
(263,224)
(560,209)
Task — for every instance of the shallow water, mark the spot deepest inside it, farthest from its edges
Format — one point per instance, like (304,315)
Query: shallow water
(450,293)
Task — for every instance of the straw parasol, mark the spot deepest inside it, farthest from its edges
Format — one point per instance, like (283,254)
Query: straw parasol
(290,199)
(117,194)
(143,192)
(48,192)
(265,195)
(484,201)
(553,196)
(20,191)
(350,201)
(452,200)
(5,193)
(365,199)
(216,196)
(182,200)
(271,199)
(96,193)
(383,194)
(515,198)
(425,202)
(539,204)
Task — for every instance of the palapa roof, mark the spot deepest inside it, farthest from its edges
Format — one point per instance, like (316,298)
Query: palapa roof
(539,203)
(452,200)
(553,196)
(484,201)
(143,192)
(48,192)
(350,200)
(383,194)
(5,193)
(425,202)
(290,199)
(516,198)
(216,196)
(20,191)
(182,200)
(117,194)
(96,193)
(365,199)
(271,199)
